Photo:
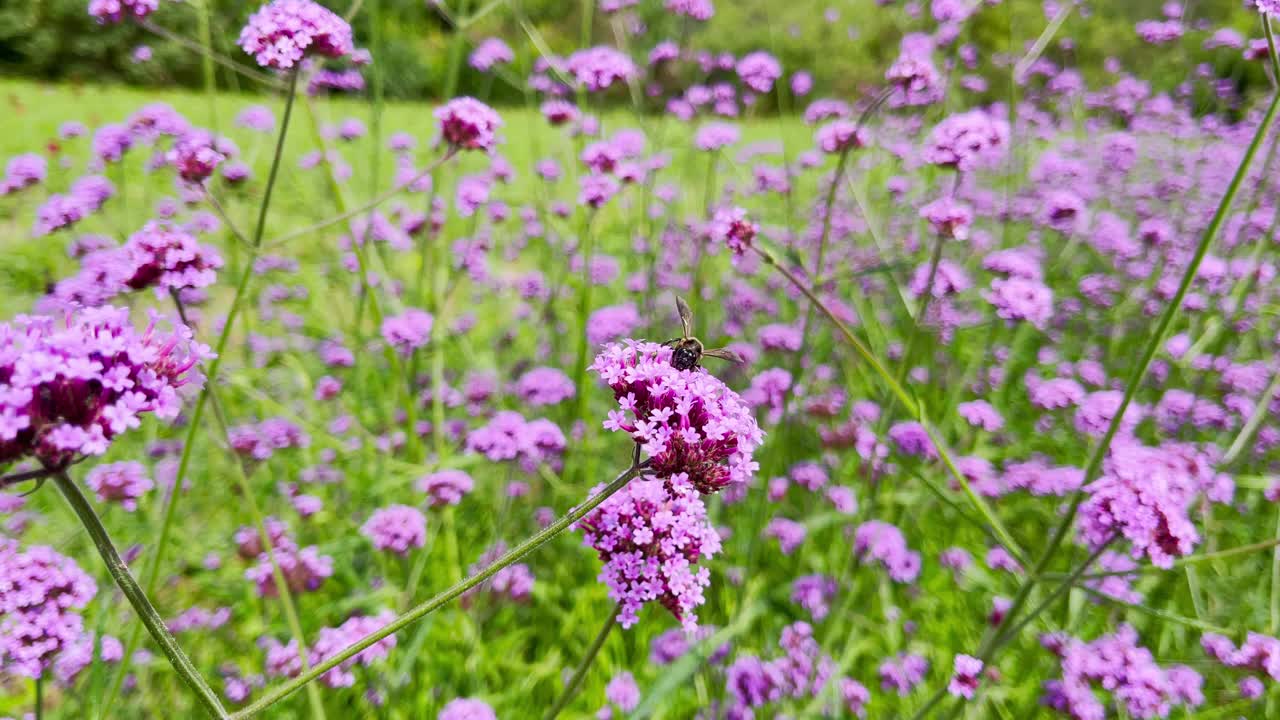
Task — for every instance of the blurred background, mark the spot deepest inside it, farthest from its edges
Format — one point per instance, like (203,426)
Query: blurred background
(844,45)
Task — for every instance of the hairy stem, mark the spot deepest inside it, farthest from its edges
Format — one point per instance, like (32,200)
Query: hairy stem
(205,696)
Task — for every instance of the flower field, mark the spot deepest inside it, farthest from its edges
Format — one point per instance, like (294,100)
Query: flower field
(680,390)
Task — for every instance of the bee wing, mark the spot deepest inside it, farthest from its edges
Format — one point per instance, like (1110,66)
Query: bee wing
(686,316)
(724,354)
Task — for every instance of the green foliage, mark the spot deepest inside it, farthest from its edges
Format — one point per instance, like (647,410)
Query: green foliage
(57,40)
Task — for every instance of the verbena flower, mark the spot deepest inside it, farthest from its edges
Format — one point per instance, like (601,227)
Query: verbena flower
(838,136)
(397,528)
(467,709)
(967,141)
(883,543)
(687,421)
(600,67)
(69,386)
(446,487)
(1144,495)
(509,436)
(113,11)
(282,32)
(650,535)
(41,593)
(759,70)
(408,331)
(544,386)
(468,124)
(1116,664)
(490,52)
(731,227)
(122,482)
(966,676)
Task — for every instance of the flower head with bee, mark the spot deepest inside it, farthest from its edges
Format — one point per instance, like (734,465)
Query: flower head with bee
(686,421)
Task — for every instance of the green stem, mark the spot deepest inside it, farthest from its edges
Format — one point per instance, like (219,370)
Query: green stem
(435,603)
(575,682)
(205,696)
(194,424)
(39,682)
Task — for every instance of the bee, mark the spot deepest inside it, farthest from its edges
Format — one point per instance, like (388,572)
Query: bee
(687,351)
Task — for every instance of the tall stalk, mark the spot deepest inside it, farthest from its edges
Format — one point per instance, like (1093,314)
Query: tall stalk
(205,696)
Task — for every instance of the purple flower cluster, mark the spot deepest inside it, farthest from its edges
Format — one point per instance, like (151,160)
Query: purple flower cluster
(408,331)
(122,483)
(282,660)
(67,387)
(1144,495)
(509,436)
(282,32)
(85,197)
(445,487)
(40,594)
(1258,653)
(650,535)
(396,528)
(967,141)
(304,569)
(260,441)
(801,671)
(23,171)
(490,52)
(113,11)
(883,543)
(687,421)
(160,255)
(468,124)
(759,70)
(600,67)
(732,228)
(1118,664)
(467,709)
(544,386)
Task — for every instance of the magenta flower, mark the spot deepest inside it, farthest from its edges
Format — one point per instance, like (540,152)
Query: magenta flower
(73,385)
(113,11)
(467,709)
(883,543)
(650,535)
(966,676)
(687,421)
(282,32)
(759,71)
(967,141)
(40,594)
(468,124)
(1119,665)
(490,52)
(1017,298)
(121,483)
(600,67)
(731,227)
(949,218)
(397,528)
(544,386)
(408,331)
(838,136)
(1144,495)
(195,157)
(446,487)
